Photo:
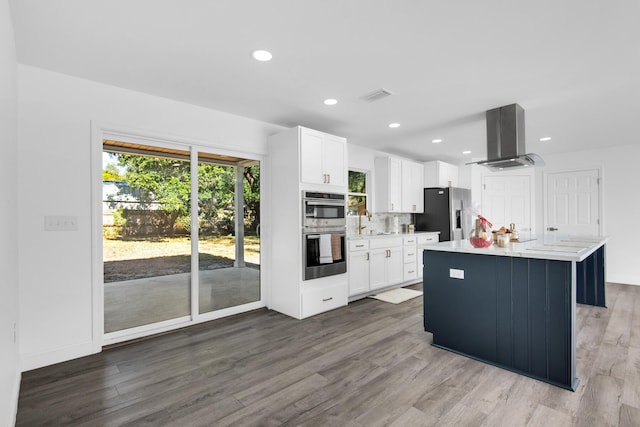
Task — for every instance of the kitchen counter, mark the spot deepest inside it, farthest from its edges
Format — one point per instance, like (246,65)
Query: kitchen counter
(551,247)
(386,235)
(514,307)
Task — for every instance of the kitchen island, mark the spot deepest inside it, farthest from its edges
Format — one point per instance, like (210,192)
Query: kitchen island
(514,307)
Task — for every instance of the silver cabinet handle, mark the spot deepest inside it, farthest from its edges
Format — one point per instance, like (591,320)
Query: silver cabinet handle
(367,256)
(327,299)
(410,254)
(359,246)
(552,229)
(328,178)
(411,271)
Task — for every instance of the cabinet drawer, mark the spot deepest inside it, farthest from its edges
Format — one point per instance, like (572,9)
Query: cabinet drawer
(410,271)
(429,238)
(410,240)
(316,301)
(385,242)
(359,245)
(410,254)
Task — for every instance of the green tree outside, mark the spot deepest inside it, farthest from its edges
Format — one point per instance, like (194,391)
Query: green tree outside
(167,183)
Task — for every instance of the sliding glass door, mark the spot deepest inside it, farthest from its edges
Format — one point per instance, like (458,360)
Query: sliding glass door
(148,253)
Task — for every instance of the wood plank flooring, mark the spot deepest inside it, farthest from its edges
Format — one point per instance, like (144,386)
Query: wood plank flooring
(368,364)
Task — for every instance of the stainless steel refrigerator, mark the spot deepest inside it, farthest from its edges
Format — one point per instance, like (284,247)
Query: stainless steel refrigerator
(446,210)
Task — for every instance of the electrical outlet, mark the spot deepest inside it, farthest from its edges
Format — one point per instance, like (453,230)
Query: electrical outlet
(456,274)
(60,223)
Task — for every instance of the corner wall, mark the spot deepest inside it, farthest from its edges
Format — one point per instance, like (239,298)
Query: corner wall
(56,112)
(9,358)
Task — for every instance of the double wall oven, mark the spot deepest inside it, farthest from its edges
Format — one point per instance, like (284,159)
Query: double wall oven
(324,228)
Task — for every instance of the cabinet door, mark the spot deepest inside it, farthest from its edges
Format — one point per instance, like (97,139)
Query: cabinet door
(412,187)
(395,185)
(448,175)
(395,266)
(311,170)
(358,272)
(377,269)
(334,160)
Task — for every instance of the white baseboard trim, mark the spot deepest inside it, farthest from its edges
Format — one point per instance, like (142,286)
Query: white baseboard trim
(15,395)
(35,361)
(624,280)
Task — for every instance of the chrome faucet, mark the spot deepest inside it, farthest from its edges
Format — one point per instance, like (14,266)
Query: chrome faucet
(360,213)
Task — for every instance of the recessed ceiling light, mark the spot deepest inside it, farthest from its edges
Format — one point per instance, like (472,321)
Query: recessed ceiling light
(330,101)
(394,125)
(466,152)
(436,141)
(261,55)
(545,139)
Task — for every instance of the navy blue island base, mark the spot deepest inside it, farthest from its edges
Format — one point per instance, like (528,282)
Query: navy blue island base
(513,312)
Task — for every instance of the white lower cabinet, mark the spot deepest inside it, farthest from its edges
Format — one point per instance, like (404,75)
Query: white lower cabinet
(410,258)
(424,239)
(358,266)
(386,263)
(380,262)
(318,300)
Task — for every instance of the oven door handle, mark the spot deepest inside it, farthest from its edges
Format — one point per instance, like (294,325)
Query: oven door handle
(323,203)
(313,236)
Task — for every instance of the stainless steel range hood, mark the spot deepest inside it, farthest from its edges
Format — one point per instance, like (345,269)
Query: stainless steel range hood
(506,141)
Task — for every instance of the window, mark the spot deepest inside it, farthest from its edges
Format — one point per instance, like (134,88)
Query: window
(357,193)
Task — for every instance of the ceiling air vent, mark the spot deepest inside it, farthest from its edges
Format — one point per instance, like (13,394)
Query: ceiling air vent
(377,95)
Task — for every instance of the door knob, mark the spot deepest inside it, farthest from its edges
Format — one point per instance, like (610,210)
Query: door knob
(552,229)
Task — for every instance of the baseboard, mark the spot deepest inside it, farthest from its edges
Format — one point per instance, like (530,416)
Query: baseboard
(15,395)
(35,361)
(624,280)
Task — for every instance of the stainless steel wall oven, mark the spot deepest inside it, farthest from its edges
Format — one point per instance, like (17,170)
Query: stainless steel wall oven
(323,234)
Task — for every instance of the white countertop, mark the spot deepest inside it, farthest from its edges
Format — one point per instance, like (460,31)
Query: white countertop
(385,235)
(552,247)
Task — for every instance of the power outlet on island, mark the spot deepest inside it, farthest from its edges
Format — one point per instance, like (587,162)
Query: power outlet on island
(456,274)
(60,223)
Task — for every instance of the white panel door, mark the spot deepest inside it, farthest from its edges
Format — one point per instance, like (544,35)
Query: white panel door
(573,202)
(506,200)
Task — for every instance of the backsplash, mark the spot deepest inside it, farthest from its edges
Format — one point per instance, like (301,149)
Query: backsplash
(380,223)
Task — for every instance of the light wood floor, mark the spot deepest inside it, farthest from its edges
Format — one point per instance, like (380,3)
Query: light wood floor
(367,364)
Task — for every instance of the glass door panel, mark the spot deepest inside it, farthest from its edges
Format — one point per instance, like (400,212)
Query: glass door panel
(146,243)
(228,242)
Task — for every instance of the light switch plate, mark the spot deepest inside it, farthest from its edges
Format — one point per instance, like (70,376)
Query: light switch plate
(60,223)
(456,274)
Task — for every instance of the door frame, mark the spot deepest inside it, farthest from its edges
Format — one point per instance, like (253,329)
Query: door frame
(545,195)
(101,131)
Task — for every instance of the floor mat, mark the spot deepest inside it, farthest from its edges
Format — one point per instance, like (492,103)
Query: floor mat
(396,296)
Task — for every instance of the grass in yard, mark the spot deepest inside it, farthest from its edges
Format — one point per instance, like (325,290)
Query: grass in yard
(141,248)
(127,259)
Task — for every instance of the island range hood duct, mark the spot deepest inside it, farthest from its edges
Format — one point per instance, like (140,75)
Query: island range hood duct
(505,140)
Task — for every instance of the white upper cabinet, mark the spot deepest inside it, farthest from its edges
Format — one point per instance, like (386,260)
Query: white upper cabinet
(323,158)
(399,185)
(440,174)
(388,182)
(412,187)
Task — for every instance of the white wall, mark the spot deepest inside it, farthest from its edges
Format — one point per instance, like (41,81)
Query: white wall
(9,360)
(621,176)
(55,115)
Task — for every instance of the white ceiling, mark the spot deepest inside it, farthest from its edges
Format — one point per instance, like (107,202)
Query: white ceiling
(573,65)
